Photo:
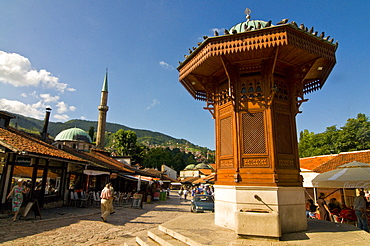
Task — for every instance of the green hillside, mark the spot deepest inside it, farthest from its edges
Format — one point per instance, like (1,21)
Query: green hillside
(146,137)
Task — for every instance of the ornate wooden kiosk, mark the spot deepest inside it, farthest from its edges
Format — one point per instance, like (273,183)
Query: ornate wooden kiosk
(253,80)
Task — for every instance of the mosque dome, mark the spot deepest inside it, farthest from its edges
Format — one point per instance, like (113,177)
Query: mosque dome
(190,167)
(73,134)
(202,166)
(249,24)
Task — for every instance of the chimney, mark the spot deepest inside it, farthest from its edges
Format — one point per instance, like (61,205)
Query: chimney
(44,132)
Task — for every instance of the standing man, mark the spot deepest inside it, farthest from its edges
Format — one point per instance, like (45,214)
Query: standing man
(360,210)
(111,201)
(105,202)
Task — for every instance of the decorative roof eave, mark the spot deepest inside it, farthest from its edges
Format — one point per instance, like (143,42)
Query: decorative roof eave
(99,160)
(22,142)
(37,155)
(8,146)
(257,39)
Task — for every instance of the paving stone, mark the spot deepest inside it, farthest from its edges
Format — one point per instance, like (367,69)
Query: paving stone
(83,226)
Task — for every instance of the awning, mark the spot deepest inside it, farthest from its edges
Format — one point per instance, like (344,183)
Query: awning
(95,172)
(351,175)
(142,178)
(136,178)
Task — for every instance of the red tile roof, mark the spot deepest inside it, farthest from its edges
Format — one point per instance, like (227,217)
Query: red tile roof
(208,179)
(159,174)
(18,141)
(206,171)
(310,163)
(100,159)
(325,163)
(189,180)
(343,158)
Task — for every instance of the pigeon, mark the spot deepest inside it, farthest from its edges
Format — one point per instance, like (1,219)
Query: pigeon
(311,30)
(234,31)
(190,51)
(216,33)
(250,28)
(199,43)
(322,35)
(245,27)
(283,21)
(205,37)
(327,38)
(186,56)
(337,43)
(331,40)
(294,23)
(315,33)
(268,24)
(226,31)
(259,25)
(301,26)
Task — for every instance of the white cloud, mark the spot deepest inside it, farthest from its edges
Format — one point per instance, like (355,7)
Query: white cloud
(63,117)
(16,70)
(36,110)
(83,117)
(63,108)
(166,65)
(48,98)
(154,102)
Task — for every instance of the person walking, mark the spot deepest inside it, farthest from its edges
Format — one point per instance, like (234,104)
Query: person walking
(181,192)
(185,192)
(17,192)
(359,205)
(111,200)
(105,202)
(323,208)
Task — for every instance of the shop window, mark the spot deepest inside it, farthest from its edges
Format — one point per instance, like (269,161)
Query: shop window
(53,182)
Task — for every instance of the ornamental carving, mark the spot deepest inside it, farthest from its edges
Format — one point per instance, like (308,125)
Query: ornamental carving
(262,162)
(226,163)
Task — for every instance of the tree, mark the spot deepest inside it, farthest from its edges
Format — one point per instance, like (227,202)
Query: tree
(91,133)
(174,158)
(156,157)
(124,142)
(354,135)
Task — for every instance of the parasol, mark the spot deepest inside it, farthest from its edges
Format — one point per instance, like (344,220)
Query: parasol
(351,175)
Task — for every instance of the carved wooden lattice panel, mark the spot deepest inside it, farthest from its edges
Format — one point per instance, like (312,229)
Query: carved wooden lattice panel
(226,137)
(284,135)
(254,141)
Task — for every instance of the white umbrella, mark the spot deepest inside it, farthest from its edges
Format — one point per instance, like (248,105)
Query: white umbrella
(351,175)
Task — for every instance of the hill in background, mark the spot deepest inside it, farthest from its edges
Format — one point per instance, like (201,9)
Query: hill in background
(146,137)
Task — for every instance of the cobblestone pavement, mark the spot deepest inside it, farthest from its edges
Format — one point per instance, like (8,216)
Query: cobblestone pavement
(83,226)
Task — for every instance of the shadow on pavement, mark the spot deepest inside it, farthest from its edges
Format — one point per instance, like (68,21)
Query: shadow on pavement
(53,219)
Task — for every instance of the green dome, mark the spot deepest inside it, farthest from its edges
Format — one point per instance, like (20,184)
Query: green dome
(189,167)
(73,134)
(202,166)
(249,23)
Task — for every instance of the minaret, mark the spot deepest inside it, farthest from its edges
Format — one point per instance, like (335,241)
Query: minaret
(103,108)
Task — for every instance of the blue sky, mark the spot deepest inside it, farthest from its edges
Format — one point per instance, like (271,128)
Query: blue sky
(55,53)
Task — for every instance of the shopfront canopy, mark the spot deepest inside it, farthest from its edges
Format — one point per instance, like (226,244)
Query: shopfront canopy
(95,172)
(351,175)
